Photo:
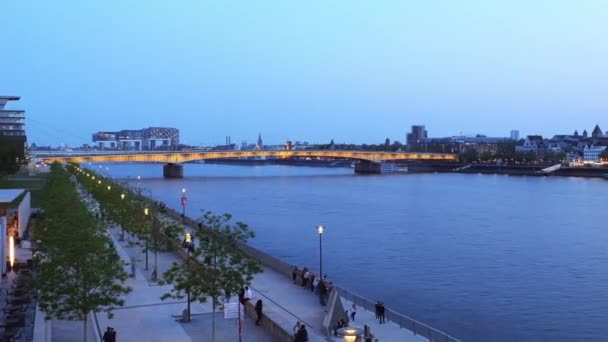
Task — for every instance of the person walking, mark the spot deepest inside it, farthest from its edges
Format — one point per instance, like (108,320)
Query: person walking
(258,311)
(353,312)
(242,295)
(296,328)
(294,273)
(377,306)
(109,335)
(302,335)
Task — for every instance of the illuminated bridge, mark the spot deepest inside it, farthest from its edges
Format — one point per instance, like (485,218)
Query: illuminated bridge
(368,162)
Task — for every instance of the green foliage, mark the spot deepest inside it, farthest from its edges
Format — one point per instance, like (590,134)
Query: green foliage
(79,272)
(226,268)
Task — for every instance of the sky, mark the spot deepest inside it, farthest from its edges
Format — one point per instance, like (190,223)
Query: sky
(352,71)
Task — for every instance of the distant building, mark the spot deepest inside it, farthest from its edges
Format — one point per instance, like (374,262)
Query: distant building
(152,138)
(597,132)
(12,126)
(514,135)
(260,144)
(591,153)
(417,135)
(533,143)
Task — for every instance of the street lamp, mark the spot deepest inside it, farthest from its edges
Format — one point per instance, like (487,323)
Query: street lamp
(122,226)
(99,182)
(184,201)
(189,246)
(146,213)
(320,230)
(109,188)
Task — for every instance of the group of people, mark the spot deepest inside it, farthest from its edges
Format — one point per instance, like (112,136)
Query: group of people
(245,296)
(299,332)
(380,312)
(312,281)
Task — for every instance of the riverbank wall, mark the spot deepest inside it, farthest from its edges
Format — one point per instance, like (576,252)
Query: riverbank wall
(281,329)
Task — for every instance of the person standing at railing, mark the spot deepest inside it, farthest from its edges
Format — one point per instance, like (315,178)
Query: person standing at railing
(353,312)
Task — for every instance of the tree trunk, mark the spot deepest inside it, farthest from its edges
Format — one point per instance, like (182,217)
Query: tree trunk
(84,338)
(212,320)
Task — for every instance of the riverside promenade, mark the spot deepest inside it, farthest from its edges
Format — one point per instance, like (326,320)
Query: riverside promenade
(146,317)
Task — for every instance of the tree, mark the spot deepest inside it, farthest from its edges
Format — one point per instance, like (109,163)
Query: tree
(228,269)
(470,155)
(80,272)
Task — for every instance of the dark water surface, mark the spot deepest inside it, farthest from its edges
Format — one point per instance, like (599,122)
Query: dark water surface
(482,257)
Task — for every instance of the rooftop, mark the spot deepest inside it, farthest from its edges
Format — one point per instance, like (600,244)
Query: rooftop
(9,98)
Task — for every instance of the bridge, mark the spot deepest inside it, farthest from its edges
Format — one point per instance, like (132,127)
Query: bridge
(368,162)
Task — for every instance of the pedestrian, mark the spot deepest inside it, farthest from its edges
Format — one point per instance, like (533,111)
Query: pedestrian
(353,312)
(109,335)
(322,293)
(247,293)
(294,273)
(377,306)
(315,285)
(302,335)
(242,295)
(258,311)
(382,312)
(312,282)
(304,276)
(296,328)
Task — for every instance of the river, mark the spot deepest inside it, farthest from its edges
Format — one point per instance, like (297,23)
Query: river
(482,257)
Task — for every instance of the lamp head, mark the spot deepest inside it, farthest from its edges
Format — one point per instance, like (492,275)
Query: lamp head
(122,196)
(320,229)
(146,211)
(183,190)
(188,238)
(109,188)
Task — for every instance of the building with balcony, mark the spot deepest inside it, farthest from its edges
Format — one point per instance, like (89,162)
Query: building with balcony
(12,127)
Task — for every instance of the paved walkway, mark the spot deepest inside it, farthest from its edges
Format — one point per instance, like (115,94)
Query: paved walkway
(146,317)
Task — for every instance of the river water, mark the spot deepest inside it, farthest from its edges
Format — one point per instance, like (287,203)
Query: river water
(482,257)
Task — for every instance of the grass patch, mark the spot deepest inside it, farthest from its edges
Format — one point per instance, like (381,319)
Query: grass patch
(33,184)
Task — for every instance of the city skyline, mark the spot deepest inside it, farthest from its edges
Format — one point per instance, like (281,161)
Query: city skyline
(349,72)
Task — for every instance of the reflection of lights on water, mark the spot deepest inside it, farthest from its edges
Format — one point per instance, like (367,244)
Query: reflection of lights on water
(11,250)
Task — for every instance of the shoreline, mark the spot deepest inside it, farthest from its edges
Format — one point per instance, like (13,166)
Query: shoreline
(512,170)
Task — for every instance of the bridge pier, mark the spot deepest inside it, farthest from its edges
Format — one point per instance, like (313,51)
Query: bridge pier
(172,170)
(367,167)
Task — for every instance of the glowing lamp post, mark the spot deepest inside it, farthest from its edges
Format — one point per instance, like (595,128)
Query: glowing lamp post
(320,230)
(109,188)
(189,246)
(146,213)
(122,228)
(184,201)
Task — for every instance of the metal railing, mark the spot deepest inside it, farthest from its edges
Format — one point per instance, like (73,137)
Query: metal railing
(405,322)
(416,327)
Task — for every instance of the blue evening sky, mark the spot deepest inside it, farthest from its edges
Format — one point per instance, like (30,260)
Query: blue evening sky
(354,71)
